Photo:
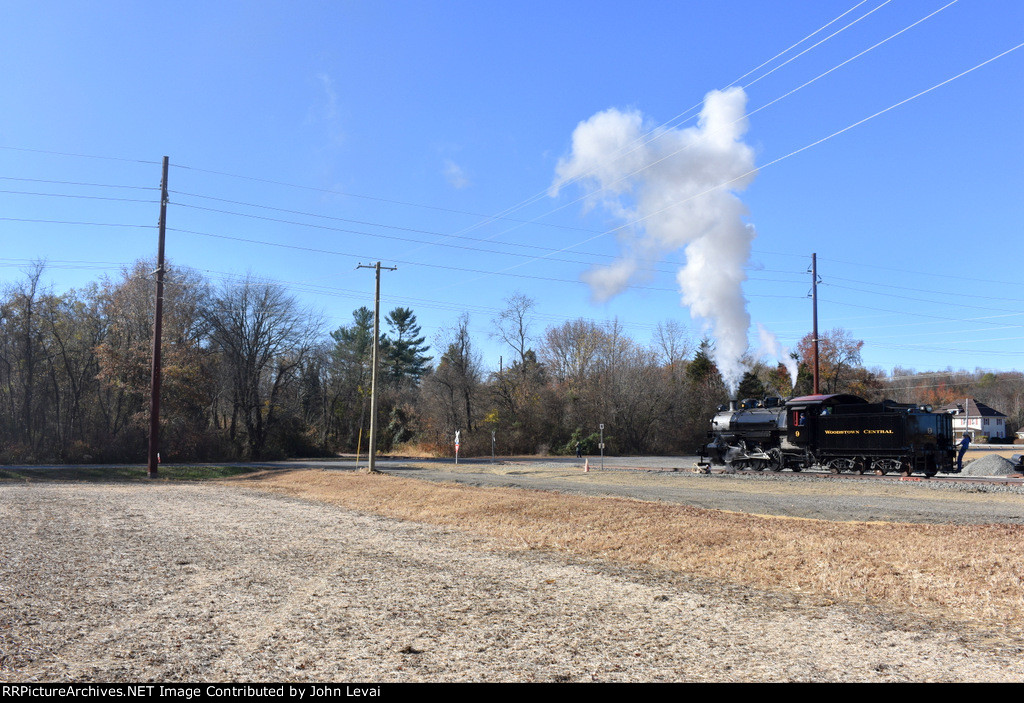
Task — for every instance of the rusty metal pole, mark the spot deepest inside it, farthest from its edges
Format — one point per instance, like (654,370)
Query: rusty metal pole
(814,331)
(158,322)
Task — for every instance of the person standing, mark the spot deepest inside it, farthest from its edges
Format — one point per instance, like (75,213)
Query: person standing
(964,443)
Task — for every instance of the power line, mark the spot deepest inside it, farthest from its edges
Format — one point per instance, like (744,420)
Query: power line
(77,183)
(658,132)
(308,287)
(418,263)
(935,292)
(655,133)
(813,46)
(756,170)
(69,222)
(383,236)
(367,223)
(819,141)
(987,281)
(79,197)
(503,214)
(934,302)
(81,156)
(900,312)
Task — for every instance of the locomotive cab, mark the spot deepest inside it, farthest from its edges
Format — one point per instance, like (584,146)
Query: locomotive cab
(802,415)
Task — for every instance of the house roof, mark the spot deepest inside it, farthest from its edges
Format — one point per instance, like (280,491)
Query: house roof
(974,409)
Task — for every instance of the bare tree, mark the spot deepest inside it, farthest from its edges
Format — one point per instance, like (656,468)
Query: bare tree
(262,336)
(674,346)
(512,325)
(838,359)
(454,386)
(22,354)
(570,350)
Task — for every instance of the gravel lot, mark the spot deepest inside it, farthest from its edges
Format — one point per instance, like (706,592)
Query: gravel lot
(202,582)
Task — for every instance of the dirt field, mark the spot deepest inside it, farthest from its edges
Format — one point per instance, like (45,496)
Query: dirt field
(249,581)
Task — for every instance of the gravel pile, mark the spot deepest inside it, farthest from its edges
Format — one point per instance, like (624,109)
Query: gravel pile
(990,465)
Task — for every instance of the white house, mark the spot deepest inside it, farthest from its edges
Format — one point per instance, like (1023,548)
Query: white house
(977,419)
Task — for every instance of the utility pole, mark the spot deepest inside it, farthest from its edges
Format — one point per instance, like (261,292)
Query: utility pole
(814,331)
(372,466)
(158,324)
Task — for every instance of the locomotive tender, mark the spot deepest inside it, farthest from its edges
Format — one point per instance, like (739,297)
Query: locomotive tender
(839,432)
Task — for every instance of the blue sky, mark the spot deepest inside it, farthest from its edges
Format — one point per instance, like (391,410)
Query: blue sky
(398,130)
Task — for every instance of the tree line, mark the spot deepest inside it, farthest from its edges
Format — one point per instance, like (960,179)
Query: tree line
(248,372)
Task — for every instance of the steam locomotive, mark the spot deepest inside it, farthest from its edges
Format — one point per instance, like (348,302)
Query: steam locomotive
(839,432)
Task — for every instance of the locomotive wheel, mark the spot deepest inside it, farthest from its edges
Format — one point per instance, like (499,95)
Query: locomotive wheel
(883,466)
(859,465)
(775,463)
(837,466)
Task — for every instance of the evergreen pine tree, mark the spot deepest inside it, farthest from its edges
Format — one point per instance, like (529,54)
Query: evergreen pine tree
(404,355)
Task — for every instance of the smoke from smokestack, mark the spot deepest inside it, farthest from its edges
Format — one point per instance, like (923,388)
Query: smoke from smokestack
(676,191)
(770,345)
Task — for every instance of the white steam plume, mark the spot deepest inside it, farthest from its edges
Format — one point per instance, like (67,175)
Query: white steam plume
(676,191)
(770,345)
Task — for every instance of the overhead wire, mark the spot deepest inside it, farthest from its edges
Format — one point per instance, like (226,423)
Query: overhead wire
(502,215)
(818,141)
(633,174)
(361,222)
(82,156)
(75,223)
(405,262)
(650,135)
(77,183)
(776,161)
(81,197)
(228,277)
(564,249)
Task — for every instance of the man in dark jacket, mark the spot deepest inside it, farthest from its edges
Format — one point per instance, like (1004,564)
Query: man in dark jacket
(964,443)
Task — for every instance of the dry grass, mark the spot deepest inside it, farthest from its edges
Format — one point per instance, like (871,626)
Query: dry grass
(973,573)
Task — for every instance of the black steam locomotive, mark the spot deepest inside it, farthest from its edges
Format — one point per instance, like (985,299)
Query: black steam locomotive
(838,432)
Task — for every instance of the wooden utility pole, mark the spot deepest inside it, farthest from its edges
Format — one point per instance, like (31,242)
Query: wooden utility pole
(372,466)
(814,331)
(158,323)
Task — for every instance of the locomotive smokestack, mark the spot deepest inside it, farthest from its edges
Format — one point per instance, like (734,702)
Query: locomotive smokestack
(734,403)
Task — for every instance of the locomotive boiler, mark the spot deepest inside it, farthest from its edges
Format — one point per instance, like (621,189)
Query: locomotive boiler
(839,432)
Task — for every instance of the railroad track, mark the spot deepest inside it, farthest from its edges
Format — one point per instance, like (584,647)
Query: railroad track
(1010,480)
